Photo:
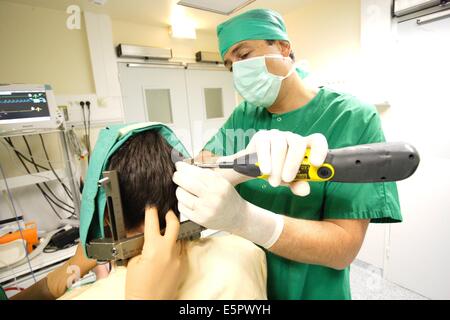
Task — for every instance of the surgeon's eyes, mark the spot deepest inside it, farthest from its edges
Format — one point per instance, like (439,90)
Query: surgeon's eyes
(244,56)
(240,57)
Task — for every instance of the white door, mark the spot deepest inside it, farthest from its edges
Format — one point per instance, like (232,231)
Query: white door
(211,101)
(156,93)
(419,254)
(194,102)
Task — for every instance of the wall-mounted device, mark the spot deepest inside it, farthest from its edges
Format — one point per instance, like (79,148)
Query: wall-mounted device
(142,52)
(27,107)
(425,10)
(208,57)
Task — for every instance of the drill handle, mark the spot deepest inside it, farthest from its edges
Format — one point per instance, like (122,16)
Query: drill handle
(376,162)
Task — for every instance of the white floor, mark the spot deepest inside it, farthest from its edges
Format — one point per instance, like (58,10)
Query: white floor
(367,283)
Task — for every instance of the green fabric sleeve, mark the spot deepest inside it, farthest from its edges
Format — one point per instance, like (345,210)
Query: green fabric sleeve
(3,295)
(375,201)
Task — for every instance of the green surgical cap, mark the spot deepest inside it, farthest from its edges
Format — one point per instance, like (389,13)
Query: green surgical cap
(258,24)
(93,200)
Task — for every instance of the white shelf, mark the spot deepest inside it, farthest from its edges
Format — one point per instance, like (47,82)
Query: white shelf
(31,179)
(39,262)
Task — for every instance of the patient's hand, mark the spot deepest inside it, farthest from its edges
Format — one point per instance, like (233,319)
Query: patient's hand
(62,278)
(156,273)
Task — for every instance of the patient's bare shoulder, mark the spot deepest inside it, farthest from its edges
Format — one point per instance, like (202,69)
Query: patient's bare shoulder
(222,267)
(227,243)
(109,288)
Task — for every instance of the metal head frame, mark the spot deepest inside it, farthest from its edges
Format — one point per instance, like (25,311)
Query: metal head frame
(119,247)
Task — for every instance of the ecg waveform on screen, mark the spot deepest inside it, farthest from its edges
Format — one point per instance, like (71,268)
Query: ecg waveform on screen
(13,101)
(36,98)
(22,105)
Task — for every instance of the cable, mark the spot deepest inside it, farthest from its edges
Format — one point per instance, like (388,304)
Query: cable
(84,119)
(8,145)
(49,200)
(88,104)
(75,144)
(37,169)
(14,289)
(44,183)
(19,153)
(17,220)
(37,185)
(69,194)
(59,206)
(86,134)
(21,156)
(51,248)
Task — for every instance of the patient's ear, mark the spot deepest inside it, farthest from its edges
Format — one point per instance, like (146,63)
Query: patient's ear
(106,217)
(107,224)
(136,231)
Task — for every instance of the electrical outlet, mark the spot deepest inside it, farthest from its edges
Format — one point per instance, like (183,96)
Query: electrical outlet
(102,110)
(74,112)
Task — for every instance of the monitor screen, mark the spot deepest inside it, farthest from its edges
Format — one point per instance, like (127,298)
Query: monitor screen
(23,106)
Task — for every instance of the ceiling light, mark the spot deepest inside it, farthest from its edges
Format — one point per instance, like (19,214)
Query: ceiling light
(183,30)
(181,25)
(217,6)
(98,2)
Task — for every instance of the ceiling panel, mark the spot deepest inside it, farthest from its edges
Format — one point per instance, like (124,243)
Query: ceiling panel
(159,12)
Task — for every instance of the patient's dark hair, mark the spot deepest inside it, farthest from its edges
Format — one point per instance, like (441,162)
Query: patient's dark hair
(145,167)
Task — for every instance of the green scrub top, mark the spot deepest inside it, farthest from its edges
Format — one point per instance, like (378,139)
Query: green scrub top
(3,294)
(344,121)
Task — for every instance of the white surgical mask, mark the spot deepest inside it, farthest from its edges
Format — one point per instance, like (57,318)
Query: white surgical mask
(255,83)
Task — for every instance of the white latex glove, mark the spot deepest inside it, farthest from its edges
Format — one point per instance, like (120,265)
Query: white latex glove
(280,154)
(208,199)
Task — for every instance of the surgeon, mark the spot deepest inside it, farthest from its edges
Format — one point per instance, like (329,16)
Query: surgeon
(311,232)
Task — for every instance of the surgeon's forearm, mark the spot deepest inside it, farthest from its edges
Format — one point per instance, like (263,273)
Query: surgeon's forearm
(333,243)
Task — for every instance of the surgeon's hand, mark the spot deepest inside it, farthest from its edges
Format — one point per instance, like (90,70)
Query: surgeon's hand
(157,272)
(207,198)
(280,154)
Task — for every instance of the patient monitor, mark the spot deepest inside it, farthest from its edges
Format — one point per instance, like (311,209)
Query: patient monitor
(27,108)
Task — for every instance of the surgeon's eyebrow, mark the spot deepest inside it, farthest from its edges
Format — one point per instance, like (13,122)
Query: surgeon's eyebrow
(228,62)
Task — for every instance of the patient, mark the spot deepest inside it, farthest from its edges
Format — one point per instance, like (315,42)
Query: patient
(218,267)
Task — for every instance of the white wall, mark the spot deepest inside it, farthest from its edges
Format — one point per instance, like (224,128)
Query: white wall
(326,34)
(419,248)
(37,47)
(415,81)
(41,49)
(147,35)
